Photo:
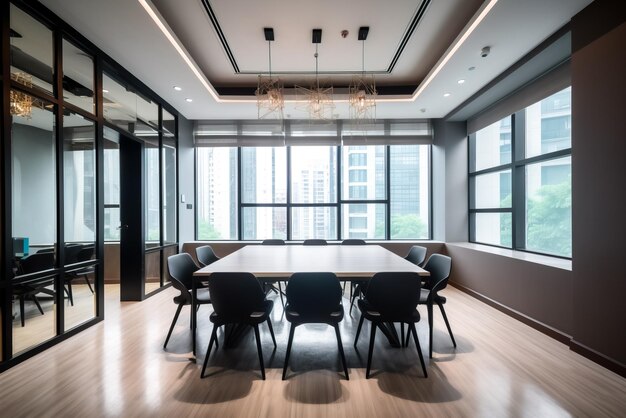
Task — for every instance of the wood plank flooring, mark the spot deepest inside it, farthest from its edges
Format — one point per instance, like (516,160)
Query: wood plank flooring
(119,368)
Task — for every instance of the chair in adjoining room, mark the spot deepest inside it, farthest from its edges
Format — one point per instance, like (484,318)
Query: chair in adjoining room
(206,255)
(314,242)
(270,286)
(391,297)
(71,257)
(417,255)
(238,298)
(353,241)
(181,268)
(439,267)
(314,298)
(33,263)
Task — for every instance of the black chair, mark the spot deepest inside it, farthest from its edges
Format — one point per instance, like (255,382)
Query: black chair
(356,287)
(71,257)
(84,253)
(271,286)
(238,299)
(181,268)
(206,255)
(33,263)
(314,242)
(417,255)
(391,297)
(439,267)
(314,298)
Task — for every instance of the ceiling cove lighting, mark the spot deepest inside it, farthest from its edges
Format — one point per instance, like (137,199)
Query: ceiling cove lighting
(318,101)
(269,93)
(460,41)
(362,91)
(171,37)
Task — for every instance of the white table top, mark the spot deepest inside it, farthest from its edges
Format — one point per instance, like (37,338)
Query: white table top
(283,260)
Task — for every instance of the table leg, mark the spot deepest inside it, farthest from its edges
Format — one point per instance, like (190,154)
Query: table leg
(390,332)
(194,287)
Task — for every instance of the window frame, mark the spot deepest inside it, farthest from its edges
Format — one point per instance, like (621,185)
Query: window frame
(517,166)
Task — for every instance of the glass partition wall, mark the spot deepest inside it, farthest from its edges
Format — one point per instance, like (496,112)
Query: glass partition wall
(58,208)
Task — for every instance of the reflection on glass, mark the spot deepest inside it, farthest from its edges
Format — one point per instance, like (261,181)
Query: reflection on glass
(264,223)
(264,175)
(549,207)
(79,182)
(493,228)
(33,179)
(216,185)
(363,172)
(491,146)
(364,221)
(314,222)
(549,124)
(409,171)
(34,313)
(119,104)
(152,204)
(169,124)
(313,174)
(31,52)
(78,83)
(80,302)
(112,222)
(169,189)
(167,252)
(492,190)
(153,271)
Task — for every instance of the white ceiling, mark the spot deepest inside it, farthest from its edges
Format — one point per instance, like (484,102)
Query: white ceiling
(125,31)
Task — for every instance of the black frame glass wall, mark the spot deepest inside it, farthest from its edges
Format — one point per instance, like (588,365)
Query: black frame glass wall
(55,125)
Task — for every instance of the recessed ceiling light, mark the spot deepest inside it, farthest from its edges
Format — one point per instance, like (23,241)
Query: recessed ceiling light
(423,110)
(188,100)
(105,91)
(177,88)
(446,95)
(461,81)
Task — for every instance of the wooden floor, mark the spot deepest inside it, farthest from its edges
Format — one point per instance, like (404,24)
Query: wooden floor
(501,368)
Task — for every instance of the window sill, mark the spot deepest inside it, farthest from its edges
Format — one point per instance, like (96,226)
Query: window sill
(545,260)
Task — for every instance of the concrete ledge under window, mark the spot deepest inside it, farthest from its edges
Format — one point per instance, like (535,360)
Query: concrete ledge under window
(560,263)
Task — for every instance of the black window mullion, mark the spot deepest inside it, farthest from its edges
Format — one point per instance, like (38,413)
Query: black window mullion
(339,191)
(518,177)
(288,177)
(240,206)
(60,206)
(388,192)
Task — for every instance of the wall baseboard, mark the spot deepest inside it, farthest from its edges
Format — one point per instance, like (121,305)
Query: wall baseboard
(597,357)
(539,326)
(576,347)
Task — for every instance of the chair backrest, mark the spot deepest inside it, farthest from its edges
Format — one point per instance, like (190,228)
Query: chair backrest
(316,294)
(181,269)
(353,241)
(314,242)
(71,253)
(206,255)
(37,262)
(273,242)
(417,255)
(394,294)
(86,253)
(439,267)
(236,295)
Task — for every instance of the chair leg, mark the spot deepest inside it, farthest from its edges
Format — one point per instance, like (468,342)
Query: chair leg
(280,292)
(208,350)
(352,299)
(358,330)
(429,306)
(269,325)
(370,351)
(37,303)
(258,347)
(340,344)
(22,308)
(402,334)
(88,283)
(291,332)
(70,294)
(419,348)
(445,318)
(180,307)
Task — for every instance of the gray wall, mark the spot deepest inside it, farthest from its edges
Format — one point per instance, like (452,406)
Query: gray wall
(186,179)
(34,184)
(598,175)
(450,222)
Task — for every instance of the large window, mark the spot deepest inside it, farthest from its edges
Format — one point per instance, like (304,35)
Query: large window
(520,179)
(313,191)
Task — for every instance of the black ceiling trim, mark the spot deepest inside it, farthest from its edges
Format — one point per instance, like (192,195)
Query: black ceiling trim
(403,42)
(409,32)
(220,34)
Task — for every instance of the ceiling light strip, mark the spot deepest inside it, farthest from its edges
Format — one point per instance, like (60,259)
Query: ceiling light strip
(453,50)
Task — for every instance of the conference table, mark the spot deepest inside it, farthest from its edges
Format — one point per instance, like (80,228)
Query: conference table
(271,263)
